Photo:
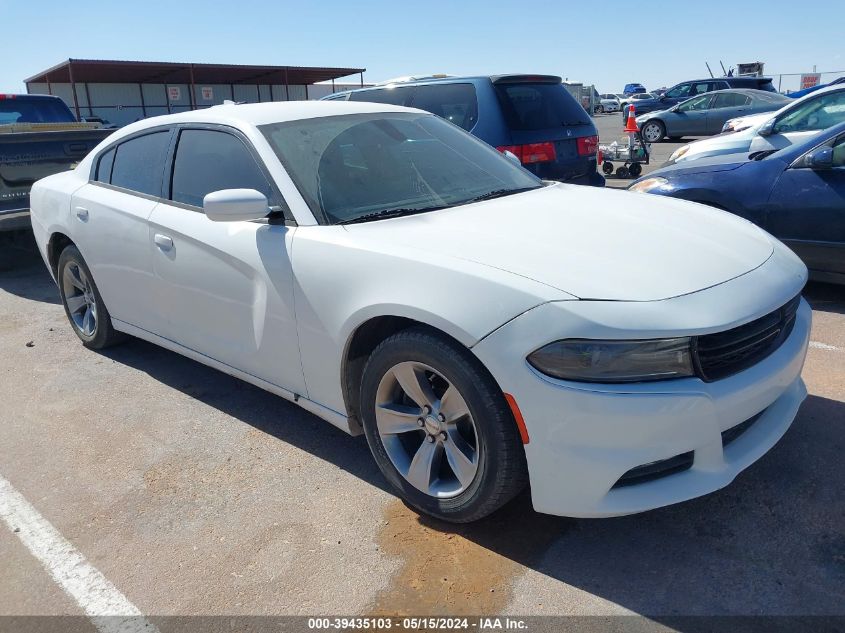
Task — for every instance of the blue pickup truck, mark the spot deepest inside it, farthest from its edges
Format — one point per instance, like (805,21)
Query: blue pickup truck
(39,136)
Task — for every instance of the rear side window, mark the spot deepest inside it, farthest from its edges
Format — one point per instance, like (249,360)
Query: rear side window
(400,96)
(731,100)
(209,160)
(456,103)
(104,166)
(138,163)
(539,106)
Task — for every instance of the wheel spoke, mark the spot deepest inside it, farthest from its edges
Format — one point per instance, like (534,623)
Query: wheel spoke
(461,457)
(393,418)
(71,277)
(414,383)
(88,321)
(75,303)
(421,468)
(452,405)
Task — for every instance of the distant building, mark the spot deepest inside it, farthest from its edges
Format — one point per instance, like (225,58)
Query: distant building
(124,91)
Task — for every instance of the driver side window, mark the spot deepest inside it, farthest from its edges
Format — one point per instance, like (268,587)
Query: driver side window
(839,152)
(678,92)
(699,103)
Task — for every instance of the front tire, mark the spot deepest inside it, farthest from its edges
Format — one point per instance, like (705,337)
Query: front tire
(439,427)
(653,131)
(83,304)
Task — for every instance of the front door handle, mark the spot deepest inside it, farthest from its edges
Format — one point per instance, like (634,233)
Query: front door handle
(164,242)
(81,213)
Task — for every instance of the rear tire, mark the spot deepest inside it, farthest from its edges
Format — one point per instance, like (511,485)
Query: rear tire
(83,304)
(459,466)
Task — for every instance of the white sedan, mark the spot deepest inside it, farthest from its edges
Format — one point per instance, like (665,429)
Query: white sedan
(395,276)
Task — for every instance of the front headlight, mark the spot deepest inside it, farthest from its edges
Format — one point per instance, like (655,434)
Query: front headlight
(648,184)
(681,151)
(614,361)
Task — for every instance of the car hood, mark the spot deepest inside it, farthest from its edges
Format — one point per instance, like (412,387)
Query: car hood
(591,243)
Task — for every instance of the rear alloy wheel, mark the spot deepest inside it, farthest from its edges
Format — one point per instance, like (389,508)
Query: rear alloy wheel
(653,131)
(439,427)
(599,109)
(82,302)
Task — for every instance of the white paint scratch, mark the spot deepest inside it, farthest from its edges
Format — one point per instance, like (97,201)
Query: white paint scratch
(109,610)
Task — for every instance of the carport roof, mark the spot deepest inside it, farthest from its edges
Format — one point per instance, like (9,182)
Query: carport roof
(115,71)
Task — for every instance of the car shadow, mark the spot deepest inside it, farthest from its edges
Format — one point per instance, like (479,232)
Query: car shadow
(22,271)
(771,543)
(260,409)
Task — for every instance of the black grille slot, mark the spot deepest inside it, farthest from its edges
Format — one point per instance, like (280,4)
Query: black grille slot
(726,353)
(656,470)
(734,432)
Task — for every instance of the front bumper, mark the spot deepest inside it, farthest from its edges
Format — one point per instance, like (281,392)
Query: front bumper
(585,437)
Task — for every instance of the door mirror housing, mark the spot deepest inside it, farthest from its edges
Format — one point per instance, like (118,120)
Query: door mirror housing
(767,128)
(819,158)
(234,205)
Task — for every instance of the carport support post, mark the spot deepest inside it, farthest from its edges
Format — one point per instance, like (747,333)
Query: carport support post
(192,100)
(73,88)
(332,85)
(287,92)
(362,80)
(306,92)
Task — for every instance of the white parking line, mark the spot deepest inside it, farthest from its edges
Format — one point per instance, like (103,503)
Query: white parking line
(108,609)
(825,346)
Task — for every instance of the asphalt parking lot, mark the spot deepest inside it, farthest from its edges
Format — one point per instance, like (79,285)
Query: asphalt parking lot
(195,493)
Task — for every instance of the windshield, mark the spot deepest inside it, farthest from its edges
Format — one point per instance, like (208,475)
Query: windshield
(23,110)
(817,113)
(365,166)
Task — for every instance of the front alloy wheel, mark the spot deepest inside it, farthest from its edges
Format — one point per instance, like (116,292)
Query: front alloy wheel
(427,430)
(439,427)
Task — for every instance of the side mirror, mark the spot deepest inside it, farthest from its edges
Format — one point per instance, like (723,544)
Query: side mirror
(662,97)
(767,128)
(512,157)
(233,205)
(820,158)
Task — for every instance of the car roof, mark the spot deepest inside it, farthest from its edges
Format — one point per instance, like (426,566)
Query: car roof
(254,114)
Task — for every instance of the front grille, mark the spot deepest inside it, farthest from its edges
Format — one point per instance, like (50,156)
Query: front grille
(656,470)
(726,353)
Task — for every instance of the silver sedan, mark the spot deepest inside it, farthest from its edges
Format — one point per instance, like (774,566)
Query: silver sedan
(704,115)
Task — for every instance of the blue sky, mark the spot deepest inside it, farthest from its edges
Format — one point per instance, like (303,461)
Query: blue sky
(584,41)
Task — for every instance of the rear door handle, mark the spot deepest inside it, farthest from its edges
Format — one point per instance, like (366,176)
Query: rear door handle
(81,213)
(164,242)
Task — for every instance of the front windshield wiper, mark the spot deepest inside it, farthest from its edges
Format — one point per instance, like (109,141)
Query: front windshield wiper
(390,213)
(498,193)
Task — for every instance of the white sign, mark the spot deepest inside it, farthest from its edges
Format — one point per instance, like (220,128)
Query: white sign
(207,93)
(174,93)
(808,80)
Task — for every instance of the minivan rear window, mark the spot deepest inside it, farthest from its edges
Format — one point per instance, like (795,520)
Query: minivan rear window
(539,106)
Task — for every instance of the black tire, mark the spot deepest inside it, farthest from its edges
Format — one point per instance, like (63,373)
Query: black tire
(102,333)
(623,173)
(501,469)
(635,170)
(599,109)
(660,130)
(607,167)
